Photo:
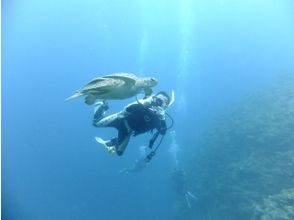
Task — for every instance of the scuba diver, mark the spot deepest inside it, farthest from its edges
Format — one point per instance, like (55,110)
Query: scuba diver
(139,163)
(136,118)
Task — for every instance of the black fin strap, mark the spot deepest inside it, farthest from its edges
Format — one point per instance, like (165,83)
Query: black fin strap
(152,153)
(153,139)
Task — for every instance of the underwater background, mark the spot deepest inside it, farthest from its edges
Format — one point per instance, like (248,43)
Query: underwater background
(231,64)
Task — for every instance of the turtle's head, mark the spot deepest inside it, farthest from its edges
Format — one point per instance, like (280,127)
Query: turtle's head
(149,82)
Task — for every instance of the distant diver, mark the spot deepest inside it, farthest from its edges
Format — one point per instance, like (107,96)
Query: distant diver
(115,86)
(136,118)
(139,163)
(178,176)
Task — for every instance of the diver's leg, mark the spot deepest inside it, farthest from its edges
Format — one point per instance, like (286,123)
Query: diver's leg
(106,121)
(109,121)
(116,144)
(120,148)
(123,139)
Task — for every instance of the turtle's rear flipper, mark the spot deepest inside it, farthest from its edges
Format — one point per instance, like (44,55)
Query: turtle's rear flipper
(90,99)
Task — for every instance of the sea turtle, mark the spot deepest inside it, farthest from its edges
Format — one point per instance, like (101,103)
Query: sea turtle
(115,86)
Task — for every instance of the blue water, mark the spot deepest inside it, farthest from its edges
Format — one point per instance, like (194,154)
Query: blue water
(211,53)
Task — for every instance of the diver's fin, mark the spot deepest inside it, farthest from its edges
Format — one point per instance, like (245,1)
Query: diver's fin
(110,149)
(101,141)
(187,200)
(124,171)
(191,195)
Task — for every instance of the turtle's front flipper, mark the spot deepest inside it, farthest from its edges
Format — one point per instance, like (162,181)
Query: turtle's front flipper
(148,92)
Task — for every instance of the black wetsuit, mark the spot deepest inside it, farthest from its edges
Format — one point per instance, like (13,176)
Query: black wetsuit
(142,119)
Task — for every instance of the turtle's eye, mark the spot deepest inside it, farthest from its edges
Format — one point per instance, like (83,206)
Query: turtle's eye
(153,80)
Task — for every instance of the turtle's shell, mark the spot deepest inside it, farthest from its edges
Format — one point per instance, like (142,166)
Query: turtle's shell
(126,76)
(109,82)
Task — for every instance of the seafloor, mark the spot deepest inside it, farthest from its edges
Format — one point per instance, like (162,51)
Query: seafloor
(243,167)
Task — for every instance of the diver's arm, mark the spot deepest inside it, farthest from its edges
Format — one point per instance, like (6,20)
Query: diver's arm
(161,123)
(142,102)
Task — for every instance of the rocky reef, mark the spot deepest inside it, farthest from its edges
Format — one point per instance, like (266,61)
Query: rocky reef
(243,167)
